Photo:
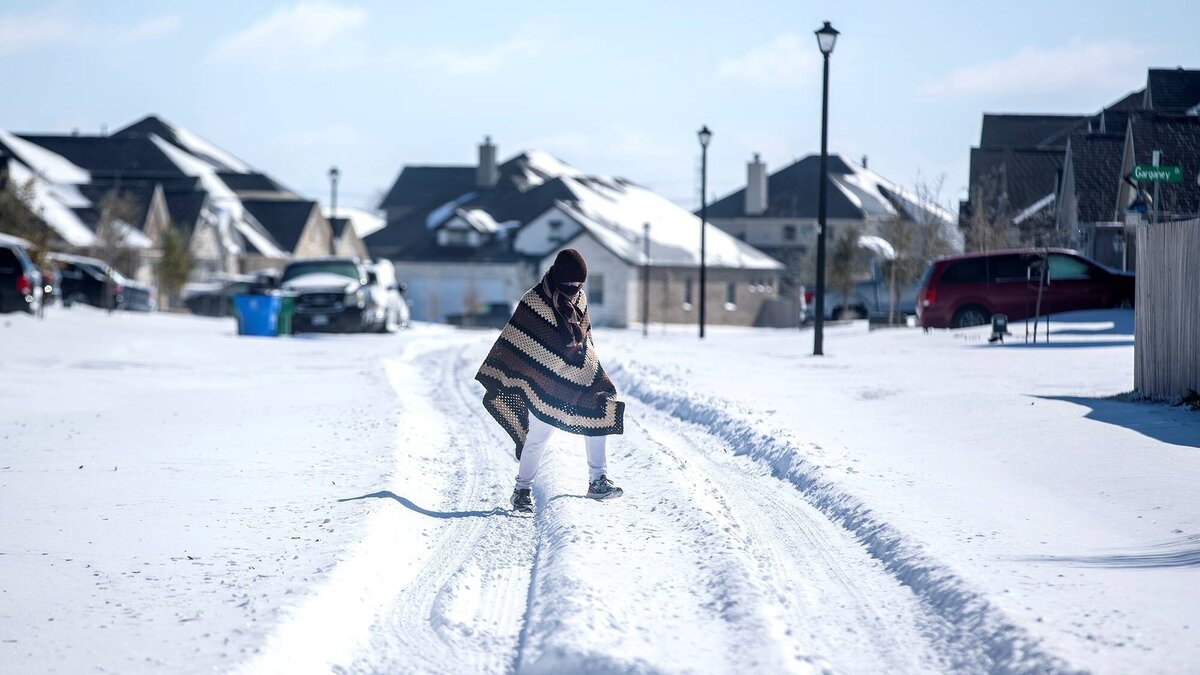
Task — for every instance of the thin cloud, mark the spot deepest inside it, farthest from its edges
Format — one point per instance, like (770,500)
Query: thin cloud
(290,33)
(531,39)
(1082,65)
(24,31)
(787,61)
(154,28)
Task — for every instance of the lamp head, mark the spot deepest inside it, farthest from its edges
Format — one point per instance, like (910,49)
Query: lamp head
(827,38)
(705,135)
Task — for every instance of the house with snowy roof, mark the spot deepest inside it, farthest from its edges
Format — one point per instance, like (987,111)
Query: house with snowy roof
(463,238)
(237,218)
(777,212)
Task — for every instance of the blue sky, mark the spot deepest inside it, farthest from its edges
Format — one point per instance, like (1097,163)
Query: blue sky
(612,88)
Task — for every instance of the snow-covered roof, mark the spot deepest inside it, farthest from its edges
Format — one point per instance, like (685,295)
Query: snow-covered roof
(615,212)
(53,204)
(363,221)
(444,212)
(877,245)
(190,142)
(14,241)
(1033,209)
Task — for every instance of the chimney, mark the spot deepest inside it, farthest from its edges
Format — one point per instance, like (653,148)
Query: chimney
(487,174)
(756,187)
(864,162)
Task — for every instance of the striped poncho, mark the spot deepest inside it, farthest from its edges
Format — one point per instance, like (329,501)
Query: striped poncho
(535,369)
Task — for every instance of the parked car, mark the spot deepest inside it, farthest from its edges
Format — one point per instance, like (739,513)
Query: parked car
(90,281)
(134,296)
(333,294)
(868,299)
(385,297)
(20,282)
(966,290)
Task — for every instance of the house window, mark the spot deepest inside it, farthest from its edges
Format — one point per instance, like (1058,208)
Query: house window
(687,294)
(730,296)
(456,237)
(555,235)
(595,290)
(789,233)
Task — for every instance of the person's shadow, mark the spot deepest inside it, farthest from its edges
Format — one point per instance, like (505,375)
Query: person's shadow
(408,504)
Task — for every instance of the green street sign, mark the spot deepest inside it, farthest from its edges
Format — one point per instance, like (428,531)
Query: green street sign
(1157,174)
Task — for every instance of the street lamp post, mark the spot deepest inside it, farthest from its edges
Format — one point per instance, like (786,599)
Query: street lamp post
(334,174)
(705,135)
(826,39)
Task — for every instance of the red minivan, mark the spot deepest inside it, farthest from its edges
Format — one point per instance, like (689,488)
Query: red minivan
(966,290)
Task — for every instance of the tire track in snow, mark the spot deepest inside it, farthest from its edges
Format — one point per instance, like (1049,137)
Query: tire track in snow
(464,611)
(981,633)
(426,590)
(826,594)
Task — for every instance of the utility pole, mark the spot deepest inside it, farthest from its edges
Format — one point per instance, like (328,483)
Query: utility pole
(646,282)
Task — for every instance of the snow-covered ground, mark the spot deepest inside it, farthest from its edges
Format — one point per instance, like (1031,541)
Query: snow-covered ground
(178,499)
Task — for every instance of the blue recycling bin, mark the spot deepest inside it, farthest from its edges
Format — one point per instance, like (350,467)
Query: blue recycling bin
(258,314)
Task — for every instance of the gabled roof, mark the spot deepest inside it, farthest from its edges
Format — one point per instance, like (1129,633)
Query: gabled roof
(792,193)
(1178,137)
(611,209)
(419,186)
(852,192)
(130,158)
(185,208)
(283,219)
(1095,161)
(1019,178)
(252,182)
(338,226)
(1114,118)
(185,140)
(1028,131)
(1172,90)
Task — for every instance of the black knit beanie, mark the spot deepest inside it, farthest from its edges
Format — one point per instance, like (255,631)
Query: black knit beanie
(568,267)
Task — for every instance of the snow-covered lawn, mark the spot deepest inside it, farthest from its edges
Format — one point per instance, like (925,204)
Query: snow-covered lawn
(178,499)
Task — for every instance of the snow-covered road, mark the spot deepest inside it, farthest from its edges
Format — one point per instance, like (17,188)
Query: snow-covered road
(178,499)
(708,565)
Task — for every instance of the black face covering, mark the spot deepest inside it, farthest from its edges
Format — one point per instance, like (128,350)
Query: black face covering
(569,289)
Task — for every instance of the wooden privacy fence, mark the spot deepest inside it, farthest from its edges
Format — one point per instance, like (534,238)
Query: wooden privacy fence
(1167,323)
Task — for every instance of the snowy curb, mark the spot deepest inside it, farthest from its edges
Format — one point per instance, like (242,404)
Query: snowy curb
(981,629)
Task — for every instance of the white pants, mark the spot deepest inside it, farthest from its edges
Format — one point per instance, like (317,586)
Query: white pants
(535,446)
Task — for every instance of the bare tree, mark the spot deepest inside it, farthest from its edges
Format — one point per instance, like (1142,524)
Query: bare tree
(843,260)
(175,265)
(118,213)
(20,217)
(989,223)
(917,238)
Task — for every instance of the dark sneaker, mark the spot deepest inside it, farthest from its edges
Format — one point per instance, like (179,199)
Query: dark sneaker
(522,501)
(603,488)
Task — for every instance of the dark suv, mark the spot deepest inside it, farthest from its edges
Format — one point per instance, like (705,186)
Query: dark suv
(966,290)
(332,294)
(20,281)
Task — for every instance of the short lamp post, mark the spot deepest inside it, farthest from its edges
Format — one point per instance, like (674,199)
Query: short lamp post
(334,175)
(826,39)
(705,135)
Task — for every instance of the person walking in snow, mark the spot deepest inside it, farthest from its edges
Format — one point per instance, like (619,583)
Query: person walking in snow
(543,374)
